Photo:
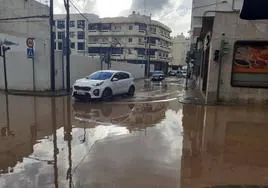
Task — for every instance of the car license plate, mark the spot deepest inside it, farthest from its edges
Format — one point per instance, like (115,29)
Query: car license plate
(81,92)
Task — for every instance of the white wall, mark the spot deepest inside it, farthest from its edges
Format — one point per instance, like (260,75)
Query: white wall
(15,8)
(82,66)
(20,68)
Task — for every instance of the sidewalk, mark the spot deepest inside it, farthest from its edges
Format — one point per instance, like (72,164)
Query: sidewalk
(38,93)
(192,95)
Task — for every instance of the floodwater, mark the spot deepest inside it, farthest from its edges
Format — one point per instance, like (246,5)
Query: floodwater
(150,141)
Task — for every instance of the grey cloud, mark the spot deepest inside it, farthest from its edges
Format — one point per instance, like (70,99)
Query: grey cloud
(152,5)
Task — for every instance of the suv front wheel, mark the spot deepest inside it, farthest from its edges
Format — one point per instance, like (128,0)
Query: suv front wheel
(131,91)
(107,94)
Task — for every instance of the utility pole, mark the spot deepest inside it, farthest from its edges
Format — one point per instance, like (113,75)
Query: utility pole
(84,29)
(52,55)
(149,47)
(67,7)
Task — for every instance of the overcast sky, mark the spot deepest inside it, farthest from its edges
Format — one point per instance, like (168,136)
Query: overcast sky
(174,13)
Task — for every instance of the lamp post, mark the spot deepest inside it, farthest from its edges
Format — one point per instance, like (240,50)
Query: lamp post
(5,66)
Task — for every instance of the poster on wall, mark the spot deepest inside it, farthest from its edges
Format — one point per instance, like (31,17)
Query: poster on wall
(250,64)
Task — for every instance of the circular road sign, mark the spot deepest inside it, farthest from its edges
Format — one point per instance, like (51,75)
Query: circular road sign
(30,42)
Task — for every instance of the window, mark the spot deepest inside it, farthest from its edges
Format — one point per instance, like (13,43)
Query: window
(153,29)
(117,28)
(117,50)
(80,35)
(130,40)
(81,24)
(100,76)
(61,24)
(141,40)
(93,27)
(130,27)
(81,46)
(94,50)
(106,27)
(60,35)
(249,67)
(73,45)
(142,27)
(72,23)
(59,45)
(72,34)
(123,76)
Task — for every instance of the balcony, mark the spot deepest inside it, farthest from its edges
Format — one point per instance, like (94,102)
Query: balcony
(153,57)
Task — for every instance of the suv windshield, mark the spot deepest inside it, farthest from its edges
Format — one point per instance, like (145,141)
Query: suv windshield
(158,72)
(100,76)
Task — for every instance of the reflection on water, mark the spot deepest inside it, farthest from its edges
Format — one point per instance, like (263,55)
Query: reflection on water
(224,146)
(46,142)
(133,116)
(52,142)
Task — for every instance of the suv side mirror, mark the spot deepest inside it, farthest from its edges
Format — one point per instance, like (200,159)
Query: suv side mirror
(115,79)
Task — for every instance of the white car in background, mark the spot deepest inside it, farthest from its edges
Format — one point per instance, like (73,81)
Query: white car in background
(104,85)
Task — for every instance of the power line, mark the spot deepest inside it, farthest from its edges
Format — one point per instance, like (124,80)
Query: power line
(78,10)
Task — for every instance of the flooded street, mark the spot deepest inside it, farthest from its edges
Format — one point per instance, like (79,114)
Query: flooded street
(150,141)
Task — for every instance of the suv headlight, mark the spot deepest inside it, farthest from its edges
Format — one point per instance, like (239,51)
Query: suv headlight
(98,84)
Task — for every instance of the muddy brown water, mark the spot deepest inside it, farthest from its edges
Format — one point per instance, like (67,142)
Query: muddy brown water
(149,141)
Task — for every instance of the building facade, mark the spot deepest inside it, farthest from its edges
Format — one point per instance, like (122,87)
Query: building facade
(125,38)
(15,28)
(240,74)
(180,47)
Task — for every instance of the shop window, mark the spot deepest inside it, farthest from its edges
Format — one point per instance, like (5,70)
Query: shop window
(250,64)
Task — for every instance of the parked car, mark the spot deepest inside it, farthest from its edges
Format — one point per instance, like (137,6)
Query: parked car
(104,85)
(158,76)
(179,74)
(172,73)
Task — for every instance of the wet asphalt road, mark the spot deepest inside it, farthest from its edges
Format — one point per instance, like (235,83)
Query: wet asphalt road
(147,141)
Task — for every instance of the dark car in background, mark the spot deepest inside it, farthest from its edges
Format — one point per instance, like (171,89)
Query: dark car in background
(158,76)
(172,73)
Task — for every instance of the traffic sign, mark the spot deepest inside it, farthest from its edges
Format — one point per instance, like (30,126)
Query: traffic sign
(30,42)
(30,53)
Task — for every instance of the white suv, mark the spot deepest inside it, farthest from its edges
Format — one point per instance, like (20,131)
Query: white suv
(104,84)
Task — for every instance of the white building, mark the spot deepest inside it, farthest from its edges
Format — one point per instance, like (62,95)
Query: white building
(78,31)
(14,30)
(180,47)
(225,79)
(208,8)
(95,35)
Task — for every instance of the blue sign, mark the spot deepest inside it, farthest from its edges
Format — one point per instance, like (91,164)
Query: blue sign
(30,53)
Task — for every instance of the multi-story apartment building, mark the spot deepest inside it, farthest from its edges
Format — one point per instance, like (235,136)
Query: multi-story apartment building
(78,31)
(133,39)
(180,47)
